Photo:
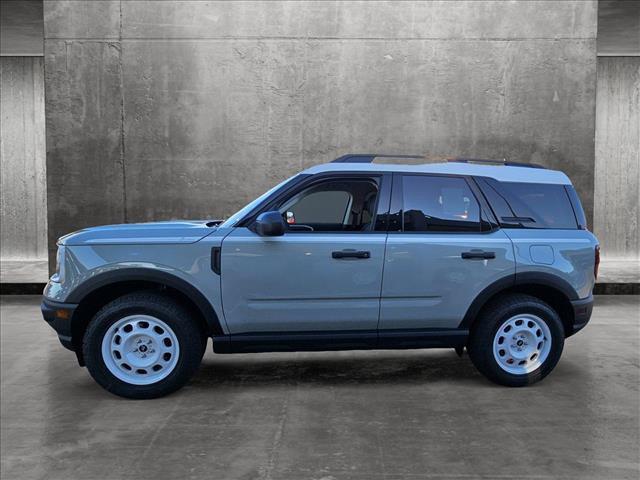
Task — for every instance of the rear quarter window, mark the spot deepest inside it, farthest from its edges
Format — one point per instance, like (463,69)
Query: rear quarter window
(577,206)
(538,205)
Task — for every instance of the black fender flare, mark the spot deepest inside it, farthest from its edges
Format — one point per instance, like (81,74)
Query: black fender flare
(154,276)
(513,280)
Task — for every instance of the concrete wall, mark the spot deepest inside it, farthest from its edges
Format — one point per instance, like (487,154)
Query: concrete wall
(23,203)
(166,109)
(617,178)
(21,28)
(618,28)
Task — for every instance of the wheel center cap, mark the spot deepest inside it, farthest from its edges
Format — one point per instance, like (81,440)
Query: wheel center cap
(519,343)
(142,348)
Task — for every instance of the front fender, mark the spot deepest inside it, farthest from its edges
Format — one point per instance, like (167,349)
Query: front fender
(160,277)
(185,268)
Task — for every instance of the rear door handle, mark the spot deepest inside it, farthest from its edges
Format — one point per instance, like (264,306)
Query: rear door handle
(351,254)
(478,254)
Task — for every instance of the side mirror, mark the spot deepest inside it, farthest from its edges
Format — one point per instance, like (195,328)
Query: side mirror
(270,224)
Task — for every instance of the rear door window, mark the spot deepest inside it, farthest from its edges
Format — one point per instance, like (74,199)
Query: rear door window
(438,204)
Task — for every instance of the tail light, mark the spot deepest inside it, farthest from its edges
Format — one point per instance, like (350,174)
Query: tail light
(596,263)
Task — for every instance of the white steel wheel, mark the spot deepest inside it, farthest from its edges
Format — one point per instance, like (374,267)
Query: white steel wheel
(522,344)
(140,349)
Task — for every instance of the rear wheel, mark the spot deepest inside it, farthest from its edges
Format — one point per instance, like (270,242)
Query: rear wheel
(517,340)
(143,345)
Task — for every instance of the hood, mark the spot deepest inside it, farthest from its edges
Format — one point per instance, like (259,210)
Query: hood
(174,232)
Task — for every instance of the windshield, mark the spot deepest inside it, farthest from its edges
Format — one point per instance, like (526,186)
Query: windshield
(233,219)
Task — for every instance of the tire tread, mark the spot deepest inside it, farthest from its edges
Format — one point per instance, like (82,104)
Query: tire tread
(181,321)
(480,344)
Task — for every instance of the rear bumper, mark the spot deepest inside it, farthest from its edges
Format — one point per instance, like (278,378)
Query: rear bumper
(581,313)
(58,316)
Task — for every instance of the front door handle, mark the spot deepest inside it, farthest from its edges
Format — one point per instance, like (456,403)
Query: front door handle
(351,254)
(478,254)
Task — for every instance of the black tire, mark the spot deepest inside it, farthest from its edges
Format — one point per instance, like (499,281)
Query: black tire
(492,317)
(190,339)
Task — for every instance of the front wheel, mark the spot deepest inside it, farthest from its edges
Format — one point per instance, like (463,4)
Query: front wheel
(142,345)
(517,340)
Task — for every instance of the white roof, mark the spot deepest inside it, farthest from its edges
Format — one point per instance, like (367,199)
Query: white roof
(501,173)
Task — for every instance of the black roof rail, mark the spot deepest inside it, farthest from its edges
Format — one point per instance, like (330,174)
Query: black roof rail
(495,162)
(368,157)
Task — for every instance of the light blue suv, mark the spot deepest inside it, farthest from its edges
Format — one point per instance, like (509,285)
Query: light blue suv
(347,255)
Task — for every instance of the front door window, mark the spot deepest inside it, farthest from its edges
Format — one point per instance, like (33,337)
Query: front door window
(332,206)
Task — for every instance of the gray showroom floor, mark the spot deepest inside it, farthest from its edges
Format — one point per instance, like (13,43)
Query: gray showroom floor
(361,415)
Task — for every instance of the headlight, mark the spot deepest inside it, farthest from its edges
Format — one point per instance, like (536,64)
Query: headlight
(58,275)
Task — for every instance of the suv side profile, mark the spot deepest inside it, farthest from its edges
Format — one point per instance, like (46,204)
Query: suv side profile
(494,257)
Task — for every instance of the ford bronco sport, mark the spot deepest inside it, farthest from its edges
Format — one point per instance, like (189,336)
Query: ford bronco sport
(347,255)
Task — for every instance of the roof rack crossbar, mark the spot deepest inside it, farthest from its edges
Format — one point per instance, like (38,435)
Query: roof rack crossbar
(368,157)
(504,162)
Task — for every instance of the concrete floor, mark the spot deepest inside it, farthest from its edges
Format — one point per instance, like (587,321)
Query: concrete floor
(352,415)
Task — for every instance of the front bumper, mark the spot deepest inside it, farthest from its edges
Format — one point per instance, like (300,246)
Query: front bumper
(58,316)
(582,310)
